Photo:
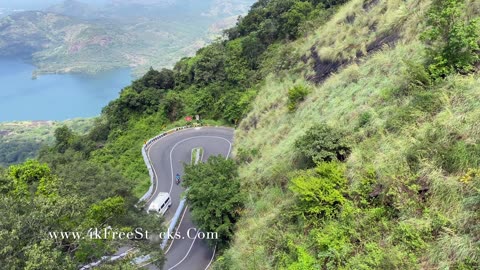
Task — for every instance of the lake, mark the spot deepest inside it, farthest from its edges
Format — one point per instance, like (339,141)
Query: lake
(55,96)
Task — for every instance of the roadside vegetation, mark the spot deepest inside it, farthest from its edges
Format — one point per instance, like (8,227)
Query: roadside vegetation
(356,143)
(376,167)
(20,141)
(197,154)
(215,197)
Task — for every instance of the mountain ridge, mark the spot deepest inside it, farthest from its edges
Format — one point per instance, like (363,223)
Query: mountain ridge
(71,36)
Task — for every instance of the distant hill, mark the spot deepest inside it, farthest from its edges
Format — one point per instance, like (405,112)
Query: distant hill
(27,32)
(76,37)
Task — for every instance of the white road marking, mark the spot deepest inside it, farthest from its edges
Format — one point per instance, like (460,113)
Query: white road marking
(186,255)
(171,187)
(178,227)
(191,138)
(213,256)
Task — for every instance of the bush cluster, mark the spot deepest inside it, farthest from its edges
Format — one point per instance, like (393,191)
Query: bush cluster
(322,143)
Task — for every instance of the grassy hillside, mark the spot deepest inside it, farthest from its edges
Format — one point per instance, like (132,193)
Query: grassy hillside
(410,197)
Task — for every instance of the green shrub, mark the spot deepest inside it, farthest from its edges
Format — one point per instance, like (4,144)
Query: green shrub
(303,260)
(319,192)
(364,119)
(323,143)
(452,40)
(296,94)
(333,244)
(413,234)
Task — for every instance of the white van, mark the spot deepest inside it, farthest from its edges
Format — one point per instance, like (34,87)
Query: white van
(161,203)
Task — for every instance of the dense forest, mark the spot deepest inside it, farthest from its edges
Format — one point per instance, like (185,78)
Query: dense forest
(356,145)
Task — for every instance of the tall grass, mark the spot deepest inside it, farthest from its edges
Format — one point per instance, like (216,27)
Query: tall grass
(412,147)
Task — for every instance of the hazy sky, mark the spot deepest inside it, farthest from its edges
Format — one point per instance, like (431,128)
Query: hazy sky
(39,4)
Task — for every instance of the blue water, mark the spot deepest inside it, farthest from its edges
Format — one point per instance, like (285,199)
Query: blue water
(56,96)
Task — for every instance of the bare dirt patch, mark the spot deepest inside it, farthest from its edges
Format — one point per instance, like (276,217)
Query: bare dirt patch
(324,67)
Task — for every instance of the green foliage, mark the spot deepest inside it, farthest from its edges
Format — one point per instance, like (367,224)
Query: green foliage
(427,101)
(364,119)
(236,66)
(106,209)
(412,234)
(31,177)
(234,105)
(444,148)
(297,14)
(71,194)
(333,244)
(63,138)
(173,106)
(417,79)
(23,140)
(319,192)
(460,156)
(29,172)
(452,40)
(16,151)
(163,79)
(252,48)
(296,94)
(44,256)
(304,260)
(323,143)
(130,104)
(214,196)
(210,65)
(278,19)
(100,130)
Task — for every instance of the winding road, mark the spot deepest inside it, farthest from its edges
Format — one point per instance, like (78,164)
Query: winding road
(167,156)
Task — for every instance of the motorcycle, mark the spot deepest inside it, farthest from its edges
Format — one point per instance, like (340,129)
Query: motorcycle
(177,179)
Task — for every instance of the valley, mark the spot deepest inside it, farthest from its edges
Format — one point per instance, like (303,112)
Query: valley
(75,37)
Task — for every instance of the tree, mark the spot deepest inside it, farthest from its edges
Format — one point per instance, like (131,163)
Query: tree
(210,66)
(269,31)
(451,39)
(163,79)
(236,66)
(323,143)
(63,138)
(44,256)
(214,196)
(103,211)
(26,177)
(252,48)
(294,17)
(183,72)
(173,106)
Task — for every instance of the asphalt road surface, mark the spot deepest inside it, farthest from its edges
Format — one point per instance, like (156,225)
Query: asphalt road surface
(168,156)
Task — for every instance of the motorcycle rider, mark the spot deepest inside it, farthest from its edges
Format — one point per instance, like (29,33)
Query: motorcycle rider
(177,178)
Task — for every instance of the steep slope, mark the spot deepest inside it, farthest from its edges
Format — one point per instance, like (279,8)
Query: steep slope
(412,174)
